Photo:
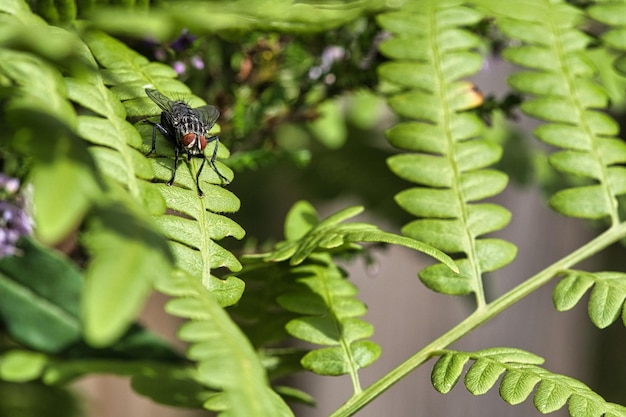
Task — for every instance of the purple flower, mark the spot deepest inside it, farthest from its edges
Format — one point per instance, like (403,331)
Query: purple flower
(14,222)
(9,184)
(183,42)
(179,67)
(197,62)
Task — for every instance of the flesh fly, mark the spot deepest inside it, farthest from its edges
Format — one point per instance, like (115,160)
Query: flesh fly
(188,129)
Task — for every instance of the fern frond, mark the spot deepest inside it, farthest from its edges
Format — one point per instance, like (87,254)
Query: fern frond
(612,14)
(329,234)
(321,304)
(69,178)
(40,318)
(522,374)
(194,223)
(64,176)
(607,298)
(565,95)
(430,52)
(167,20)
(226,360)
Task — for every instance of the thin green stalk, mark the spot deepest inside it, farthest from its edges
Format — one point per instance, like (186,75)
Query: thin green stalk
(479,317)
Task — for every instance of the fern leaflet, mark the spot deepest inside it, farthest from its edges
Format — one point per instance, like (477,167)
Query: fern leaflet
(607,298)
(226,360)
(430,52)
(521,374)
(565,95)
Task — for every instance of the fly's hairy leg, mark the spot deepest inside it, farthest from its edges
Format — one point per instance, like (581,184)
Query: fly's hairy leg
(200,193)
(212,161)
(176,155)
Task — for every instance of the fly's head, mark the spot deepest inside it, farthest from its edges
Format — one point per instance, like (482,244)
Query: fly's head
(193,133)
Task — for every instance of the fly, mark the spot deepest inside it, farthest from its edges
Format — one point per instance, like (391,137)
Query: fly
(188,129)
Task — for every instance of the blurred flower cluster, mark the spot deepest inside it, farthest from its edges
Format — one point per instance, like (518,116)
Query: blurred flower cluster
(14,221)
(181,53)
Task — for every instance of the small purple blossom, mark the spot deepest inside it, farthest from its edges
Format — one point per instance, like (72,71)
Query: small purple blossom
(179,67)
(183,42)
(14,222)
(197,62)
(9,184)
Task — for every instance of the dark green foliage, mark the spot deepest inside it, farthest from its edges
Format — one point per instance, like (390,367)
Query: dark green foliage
(41,317)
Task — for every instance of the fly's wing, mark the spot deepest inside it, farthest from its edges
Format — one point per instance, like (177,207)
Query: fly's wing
(163,102)
(208,114)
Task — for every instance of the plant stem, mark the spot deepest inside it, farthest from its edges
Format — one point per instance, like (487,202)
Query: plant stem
(479,317)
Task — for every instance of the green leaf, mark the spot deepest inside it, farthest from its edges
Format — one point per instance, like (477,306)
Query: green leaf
(333,361)
(330,127)
(607,299)
(567,96)
(447,371)
(430,52)
(520,375)
(507,354)
(40,298)
(129,255)
(170,385)
(516,386)
(494,254)
(571,289)
(226,360)
(330,234)
(588,202)
(550,396)
(21,365)
(439,278)
(64,177)
(482,375)
(320,295)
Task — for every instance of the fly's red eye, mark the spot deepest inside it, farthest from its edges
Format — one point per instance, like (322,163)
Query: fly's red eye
(201,142)
(189,139)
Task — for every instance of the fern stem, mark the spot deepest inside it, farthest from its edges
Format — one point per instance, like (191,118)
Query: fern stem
(479,317)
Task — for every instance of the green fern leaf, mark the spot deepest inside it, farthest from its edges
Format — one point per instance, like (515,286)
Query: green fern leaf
(21,365)
(447,371)
(520,373)
(35,316)
(128,255)
(327,301)
(64,177)
(311,299)
(284,16)
(612,15)
(551,396)
(607,297)
(430,52)
(482,375)
(226,360)
(329,234)
(56,12)
(565,95)
(516,386)
(194,224)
